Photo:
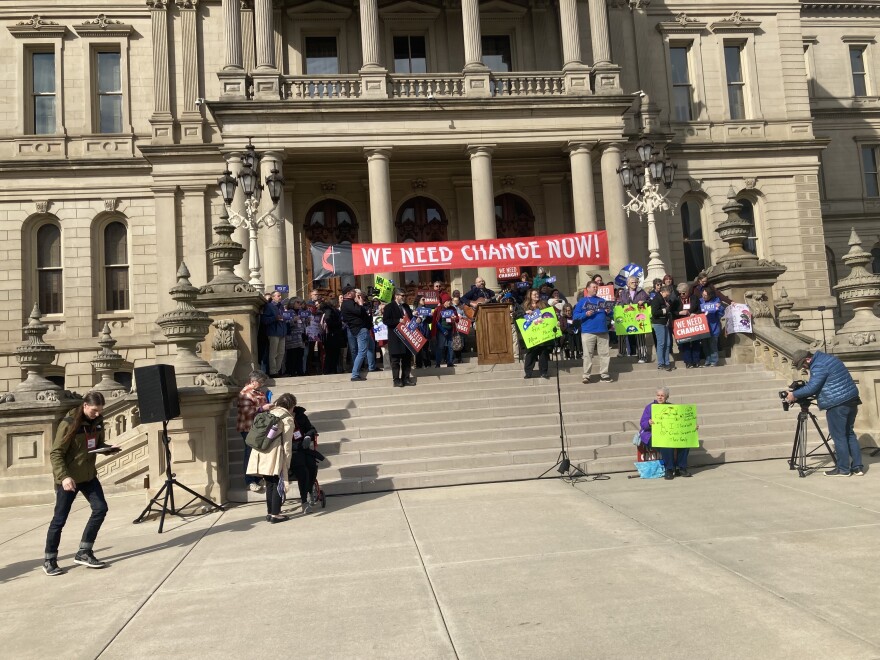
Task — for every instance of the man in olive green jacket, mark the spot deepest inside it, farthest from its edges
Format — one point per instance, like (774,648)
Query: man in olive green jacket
(79,439)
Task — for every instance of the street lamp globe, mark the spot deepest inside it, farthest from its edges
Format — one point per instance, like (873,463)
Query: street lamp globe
(669,172)
(248,181)
(275,184)
(644,149)
(227,185)
(639,179)
(249,156)
(625,171)
(656,166)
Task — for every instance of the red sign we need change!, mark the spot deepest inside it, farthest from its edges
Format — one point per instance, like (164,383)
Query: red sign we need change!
(691,328)
(414,340)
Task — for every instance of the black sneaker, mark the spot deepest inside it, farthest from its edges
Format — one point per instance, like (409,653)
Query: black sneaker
(88,559)
(50,567)
(669,476)
(682,472)
(836,473)
(858,472)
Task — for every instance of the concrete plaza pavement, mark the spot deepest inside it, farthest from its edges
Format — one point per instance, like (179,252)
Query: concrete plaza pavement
(742,561)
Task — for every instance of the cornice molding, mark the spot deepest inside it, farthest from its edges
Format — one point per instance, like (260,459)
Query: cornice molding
(101,26)
(37,26)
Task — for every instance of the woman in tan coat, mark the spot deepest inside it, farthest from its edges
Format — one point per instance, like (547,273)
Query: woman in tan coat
(273,463)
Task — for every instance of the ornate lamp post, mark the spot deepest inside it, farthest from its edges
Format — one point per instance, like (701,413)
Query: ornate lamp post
(641,183)
(250,184)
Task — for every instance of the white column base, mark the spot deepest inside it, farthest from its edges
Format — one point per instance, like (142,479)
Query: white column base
(191,127)
(577,80)
(267,86)
(232,85)
(477,84)
(606,80)
(374,84)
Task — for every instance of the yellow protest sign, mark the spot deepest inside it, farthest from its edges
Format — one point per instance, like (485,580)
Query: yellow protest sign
(538,326)
(674,427)
(386,289)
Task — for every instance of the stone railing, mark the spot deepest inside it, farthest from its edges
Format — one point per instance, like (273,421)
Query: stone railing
(427,86)
(321,88)
(774,347)
(536,83)
(127,469)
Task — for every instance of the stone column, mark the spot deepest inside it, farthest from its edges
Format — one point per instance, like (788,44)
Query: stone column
(476,74)
(161,119)
(272,238)
(248,47)
(606,75)
(583,197)
(191,121)
(615,216)
(577,75)
(266,80)
(374,82)
(231,77)
(484,203)
(381,215)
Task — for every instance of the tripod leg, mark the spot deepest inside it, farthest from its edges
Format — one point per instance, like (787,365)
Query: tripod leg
(195,495)
(149,507)
(165,506)
(824,438)
(802,466)
(794,445)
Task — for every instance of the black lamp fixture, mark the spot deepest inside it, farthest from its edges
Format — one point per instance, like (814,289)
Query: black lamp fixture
(645,148)
(249,156)
(227,185)
(669,172)
(626,174)
(275,184)
(248,180)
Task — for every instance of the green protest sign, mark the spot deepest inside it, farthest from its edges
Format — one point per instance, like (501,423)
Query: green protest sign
(538,326)
(674,427)
(632,319)
(386,289)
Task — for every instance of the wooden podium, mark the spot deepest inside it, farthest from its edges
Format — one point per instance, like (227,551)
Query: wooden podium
(494,338)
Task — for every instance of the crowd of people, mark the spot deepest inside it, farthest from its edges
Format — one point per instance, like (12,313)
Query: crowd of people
(333,335)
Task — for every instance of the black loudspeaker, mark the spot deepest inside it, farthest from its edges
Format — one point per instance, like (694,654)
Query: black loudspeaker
(157,393)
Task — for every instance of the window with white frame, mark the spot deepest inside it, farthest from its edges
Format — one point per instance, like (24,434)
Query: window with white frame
(869,171)
(322,56)
(748,213)
(43,93)
(50,290)
(736,92)
(692,238)
(682,87)
(115,239)
(108,90)
(859,71)
(497,54)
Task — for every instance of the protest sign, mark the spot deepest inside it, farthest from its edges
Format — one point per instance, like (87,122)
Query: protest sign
(674,427)
(538,326)
(380,330)
(430,298)
(282,288)
(411,336)
(632,319)
(551,280)
(447,313)
(691,328)
(507,273)
(464,325)
(738,318)
(424,312)
(606,292)
(386,289)
(630,270)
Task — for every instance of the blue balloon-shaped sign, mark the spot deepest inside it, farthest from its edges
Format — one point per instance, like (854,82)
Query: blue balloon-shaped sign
(630,270)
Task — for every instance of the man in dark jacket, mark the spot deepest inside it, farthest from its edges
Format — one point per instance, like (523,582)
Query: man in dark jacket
(272,320)
(401,358)
(357,318)
(838,396)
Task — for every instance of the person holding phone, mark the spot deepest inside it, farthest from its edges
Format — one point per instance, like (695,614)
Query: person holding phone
(79,439)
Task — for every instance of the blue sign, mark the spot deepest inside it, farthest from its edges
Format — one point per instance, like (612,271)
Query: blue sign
(523,285)
(282,288)
(424,311)
(551,280)
(630,270)
(447,313)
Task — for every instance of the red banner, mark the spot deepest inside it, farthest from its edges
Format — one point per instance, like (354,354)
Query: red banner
(464,325)
(588,248)
(507,273)
(691,328)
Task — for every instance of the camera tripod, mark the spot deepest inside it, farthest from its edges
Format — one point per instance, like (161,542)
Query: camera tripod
(166,493)
(799,447)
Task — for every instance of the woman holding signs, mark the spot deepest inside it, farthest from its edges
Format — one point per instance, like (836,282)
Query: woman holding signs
(674,460)
(539,353)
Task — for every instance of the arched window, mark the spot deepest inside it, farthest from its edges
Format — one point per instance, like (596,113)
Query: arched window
(875,264)
(513,217)
(330,221)
(692,237)
(831,262)
(422,220)
(50,290)
(116,295)
(748,213)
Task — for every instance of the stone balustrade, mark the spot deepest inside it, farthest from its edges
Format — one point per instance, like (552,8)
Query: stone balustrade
(536,83)
(321,88)
(426,86)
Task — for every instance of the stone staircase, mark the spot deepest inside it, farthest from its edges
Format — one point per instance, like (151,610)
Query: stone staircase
(472,423)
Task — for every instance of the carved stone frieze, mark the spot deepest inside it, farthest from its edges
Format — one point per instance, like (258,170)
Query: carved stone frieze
(757,302)
(37,22)
(42,206)
(224,335)
(111,204)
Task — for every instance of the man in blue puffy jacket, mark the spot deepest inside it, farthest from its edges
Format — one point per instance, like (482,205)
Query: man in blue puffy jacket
(839,398)
(592,313)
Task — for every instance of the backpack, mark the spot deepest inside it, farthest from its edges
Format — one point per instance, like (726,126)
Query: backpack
(258,437)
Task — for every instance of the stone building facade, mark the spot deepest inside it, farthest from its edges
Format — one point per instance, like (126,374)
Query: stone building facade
(413,120)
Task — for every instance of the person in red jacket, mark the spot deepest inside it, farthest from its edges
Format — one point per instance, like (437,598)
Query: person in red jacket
(442,326)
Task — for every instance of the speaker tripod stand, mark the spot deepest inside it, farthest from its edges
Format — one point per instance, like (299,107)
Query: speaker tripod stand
(166,493)
(799,447)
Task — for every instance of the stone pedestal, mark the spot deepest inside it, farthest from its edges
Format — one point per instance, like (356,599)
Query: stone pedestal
(374,84)
(267,86)
(477,84)
(233,85)
(199,454)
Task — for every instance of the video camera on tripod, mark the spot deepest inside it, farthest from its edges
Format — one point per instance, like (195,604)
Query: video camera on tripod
(803,403)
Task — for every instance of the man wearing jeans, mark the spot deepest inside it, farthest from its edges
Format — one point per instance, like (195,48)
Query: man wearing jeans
(356,317)
(839,398)
(592,313)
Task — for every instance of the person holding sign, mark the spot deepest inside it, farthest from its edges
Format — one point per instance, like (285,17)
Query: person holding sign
(539,353)
(662,313)
(633,344)
(78,441)
(674,459)
(591,312)
(394,313)
(443,323)
(713,308)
